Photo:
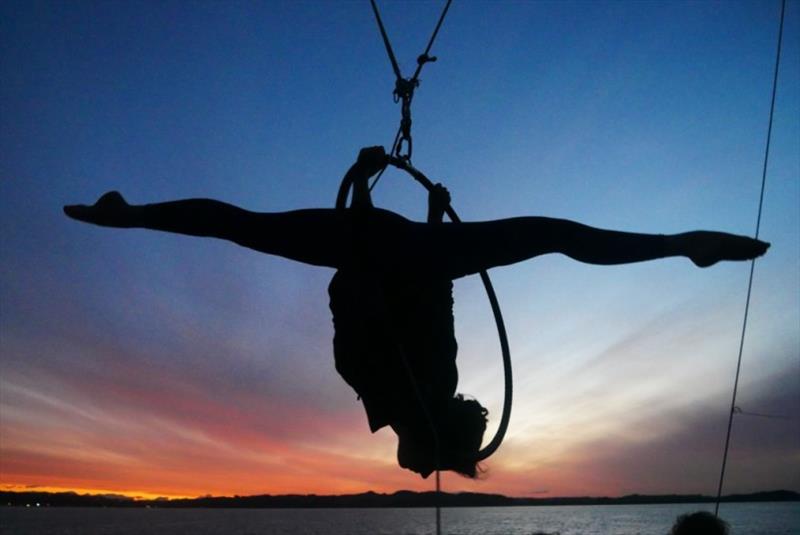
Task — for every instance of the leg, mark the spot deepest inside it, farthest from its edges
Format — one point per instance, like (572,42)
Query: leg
(466,248)
(319,237)
(309,236)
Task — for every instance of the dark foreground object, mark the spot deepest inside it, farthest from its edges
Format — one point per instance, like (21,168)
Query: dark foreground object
(699,523)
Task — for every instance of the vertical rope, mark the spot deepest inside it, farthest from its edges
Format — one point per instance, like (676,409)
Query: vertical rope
(425,57)
(404,88)
(386,43)
(341,204)
(394,147)
(431,423)
(752,262)
(438,502)
(397,139)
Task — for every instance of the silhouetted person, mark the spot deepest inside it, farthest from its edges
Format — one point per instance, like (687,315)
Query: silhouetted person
(395,345)
(700,523)
(391,295)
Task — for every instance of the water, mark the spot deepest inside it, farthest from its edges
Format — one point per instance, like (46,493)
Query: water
(748,518)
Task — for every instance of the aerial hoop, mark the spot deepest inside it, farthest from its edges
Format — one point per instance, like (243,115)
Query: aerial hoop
(491,447)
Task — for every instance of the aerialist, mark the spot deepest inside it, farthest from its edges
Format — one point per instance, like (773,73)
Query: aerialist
(391,296)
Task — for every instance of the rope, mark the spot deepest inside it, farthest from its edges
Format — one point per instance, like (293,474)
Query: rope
(738,410)
(341,201)
(386,42)
(425,58)
(434,432)
(438,502)
(428,416)
(490,448)
(394,147)
(404,92)
(752,262)
(404,88)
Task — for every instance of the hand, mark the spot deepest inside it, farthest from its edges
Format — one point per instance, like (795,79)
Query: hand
(371,160)
(438,201)
(439,196)
(110,210)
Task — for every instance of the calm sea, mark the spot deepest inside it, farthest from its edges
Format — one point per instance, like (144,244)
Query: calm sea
(750,519)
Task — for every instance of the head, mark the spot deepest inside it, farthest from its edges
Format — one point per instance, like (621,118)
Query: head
(460,427)
(700,523)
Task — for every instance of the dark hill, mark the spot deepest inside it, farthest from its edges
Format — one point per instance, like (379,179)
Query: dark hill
(401,498)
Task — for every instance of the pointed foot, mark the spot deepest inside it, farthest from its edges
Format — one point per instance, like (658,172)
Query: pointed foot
(707,248)
(109,210)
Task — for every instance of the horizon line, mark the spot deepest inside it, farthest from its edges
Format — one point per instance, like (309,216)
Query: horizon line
(143,496)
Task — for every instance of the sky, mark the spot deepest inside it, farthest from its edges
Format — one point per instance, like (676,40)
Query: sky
(147,364)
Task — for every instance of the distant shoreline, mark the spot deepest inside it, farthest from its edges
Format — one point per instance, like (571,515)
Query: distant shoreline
(397,499)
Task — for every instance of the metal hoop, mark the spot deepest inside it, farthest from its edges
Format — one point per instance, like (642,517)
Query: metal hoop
(489,449)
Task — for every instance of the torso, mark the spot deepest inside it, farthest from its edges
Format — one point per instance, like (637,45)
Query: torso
(382,320)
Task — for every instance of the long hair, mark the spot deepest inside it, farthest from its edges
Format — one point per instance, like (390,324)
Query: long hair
(461,435)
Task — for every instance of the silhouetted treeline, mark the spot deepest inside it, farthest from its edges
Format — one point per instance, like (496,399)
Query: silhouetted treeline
(401,498)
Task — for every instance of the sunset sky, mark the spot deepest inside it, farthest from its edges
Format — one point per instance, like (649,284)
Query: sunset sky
(149,364)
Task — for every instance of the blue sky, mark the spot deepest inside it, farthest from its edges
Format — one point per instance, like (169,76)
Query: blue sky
(122,350)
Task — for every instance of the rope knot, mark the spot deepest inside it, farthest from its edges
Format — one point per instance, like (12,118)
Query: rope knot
(422,59)
(404,89)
